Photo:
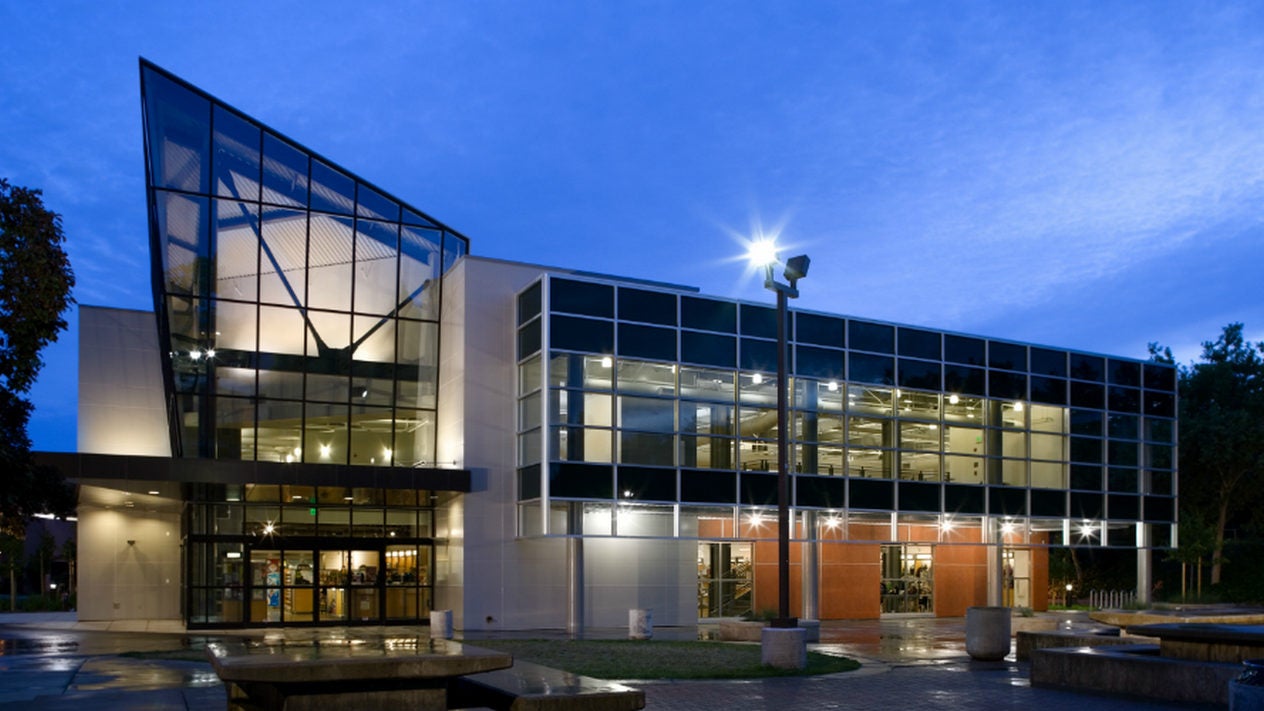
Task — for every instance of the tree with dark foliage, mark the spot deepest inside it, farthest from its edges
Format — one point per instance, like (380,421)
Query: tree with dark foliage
(35,284)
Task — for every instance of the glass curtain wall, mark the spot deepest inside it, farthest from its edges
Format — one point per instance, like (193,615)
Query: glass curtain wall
(300,304)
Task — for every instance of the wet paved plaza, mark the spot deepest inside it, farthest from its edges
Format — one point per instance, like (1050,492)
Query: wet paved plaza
(52,662)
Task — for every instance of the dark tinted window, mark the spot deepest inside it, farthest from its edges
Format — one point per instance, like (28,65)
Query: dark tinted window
(1050,390)
(960,379)
(964,499)
(915,496)
(332,190)
(582,334)
(1048,503)
(760,355)
(1086,367)
(1160,377)
(863,368)
(870,494)
(874,337)
(647,341)
(638,484)
(820,330)
(1123,454)
(960,349)
(1047,362)
(1009,386)
(1086,505)
(1007,502)
(1159,509)
(919,374)
(758,489)
(1125,373)
(1086,422)
(529,482)
(647,306)
(581,481)
(1086,450)
(919,344)
(818,362)
(581,297)
(1007,355)
(1125,399)
(528,339)
(708,486)
(1160,404)
(1084,476)
(1118,479)
(1123,426)
(708,349)
(822,492)
(529,303)
(707,314)
(760,321)
(1123,508)
(1088,395)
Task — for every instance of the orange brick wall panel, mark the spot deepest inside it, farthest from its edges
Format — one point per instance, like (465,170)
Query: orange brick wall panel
(850,579)
(1039,579)
(960,579)
(766,577)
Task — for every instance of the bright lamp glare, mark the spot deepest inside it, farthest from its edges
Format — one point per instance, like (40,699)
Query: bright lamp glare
(762,253)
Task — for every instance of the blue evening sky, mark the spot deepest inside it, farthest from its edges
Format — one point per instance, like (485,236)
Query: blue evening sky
(1079,174)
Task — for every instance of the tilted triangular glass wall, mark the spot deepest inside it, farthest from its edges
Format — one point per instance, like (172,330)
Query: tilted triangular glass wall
(299,304)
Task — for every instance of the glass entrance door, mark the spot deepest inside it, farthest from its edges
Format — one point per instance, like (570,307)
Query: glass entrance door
(1017,577)
(908,582)
(725,579)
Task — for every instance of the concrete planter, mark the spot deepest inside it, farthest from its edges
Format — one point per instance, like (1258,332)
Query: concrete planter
(987,633)
(741,630)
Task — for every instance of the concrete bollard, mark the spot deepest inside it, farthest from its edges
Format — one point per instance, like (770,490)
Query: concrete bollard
(987,633)
(441,624)
(640,624)
(783,647)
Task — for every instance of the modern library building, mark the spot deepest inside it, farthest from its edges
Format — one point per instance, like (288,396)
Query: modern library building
(336,415)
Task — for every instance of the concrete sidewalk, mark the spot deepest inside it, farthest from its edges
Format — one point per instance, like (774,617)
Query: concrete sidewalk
(52,661)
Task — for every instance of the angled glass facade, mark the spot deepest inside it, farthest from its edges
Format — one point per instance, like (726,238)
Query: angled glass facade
(300,303)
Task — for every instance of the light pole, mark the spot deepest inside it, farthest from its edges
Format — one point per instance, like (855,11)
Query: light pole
(795,269)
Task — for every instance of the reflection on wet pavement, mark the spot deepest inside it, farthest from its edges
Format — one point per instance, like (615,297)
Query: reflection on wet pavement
(120,673)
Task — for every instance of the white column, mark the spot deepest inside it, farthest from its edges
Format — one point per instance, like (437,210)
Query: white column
(995,561)
(1144,572)
(575,569)
(811,577)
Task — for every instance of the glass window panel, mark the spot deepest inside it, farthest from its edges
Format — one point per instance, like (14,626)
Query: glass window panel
(236,250)
(960,379)
(963,469)
(916,343)
(830,460)
(284,173)
(1048,446)
(757,456)
(759,355)
(919,466)
(1087,422)
(820,330)
(814,427)
(1086,477)
(1011,386)
(1158,430)
(371,436)
(870,432)
(375,261)
(582,334)
(236,156)
(1086,450)
(417,356)
(644,377)
(758,388)
(707,384)
(1013,444)
(529,303)
(963,440)
(582,408)
(282,265)
(759,321)
(280,433)
(1160,404)
(529,375)
(824,396)
(875,337)
(1122,479)
(874,401)
(865,368)
(706,452)
(647,414)
(1123,426)
(374,205)
(647,341)
(529,448)
(1122,372)
(331,330)
(234,428)
(330,260)
(1009,356)
(376,338)
(922,406)
(1048,419)
(1086,367)
(325,434)
(1048,362)
(1049,390)
(1160,377)
(647,306)
(819,363)
(1048,475)
(332,190)
(963,409)
(758,422)
(183,225)
(581,297)
(708,349)
(869,463)
(922,436)
(1088,395)
(1125,399)
(371,384)
(235,326)
(1159,456)
(579,444)
(454,247)
(419,273)
(281,384)
(960,349)
(581,371)
(179,123)
(1013,472)
(647,448)
(529,412)
(920,374)
(708,314)
(1122,453)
